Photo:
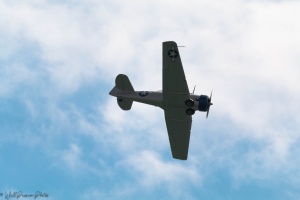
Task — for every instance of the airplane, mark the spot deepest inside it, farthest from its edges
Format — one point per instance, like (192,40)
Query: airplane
(175,99)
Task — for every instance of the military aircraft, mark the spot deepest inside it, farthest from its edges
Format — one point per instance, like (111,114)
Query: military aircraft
(175,99)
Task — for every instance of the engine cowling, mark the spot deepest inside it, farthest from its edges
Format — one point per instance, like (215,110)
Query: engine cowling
(204,103)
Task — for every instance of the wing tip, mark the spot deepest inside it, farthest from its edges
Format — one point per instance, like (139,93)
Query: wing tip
(170,42)
(180,157)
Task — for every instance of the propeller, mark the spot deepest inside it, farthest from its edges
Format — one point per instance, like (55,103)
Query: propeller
(209,104)
(194,89)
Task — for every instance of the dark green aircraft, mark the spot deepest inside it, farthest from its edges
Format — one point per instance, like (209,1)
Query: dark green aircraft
(175,99)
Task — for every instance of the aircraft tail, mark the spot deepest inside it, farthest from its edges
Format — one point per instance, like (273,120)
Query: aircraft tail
(122,85)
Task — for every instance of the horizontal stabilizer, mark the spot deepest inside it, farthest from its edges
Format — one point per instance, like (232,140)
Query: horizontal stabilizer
(124,103)
(123,83)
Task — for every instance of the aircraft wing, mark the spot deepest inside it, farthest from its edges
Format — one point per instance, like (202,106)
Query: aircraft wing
(173,75)
(175,93)
(179,127)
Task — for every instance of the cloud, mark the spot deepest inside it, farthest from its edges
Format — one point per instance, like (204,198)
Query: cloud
(246,51)
(71,157)
(14,75)
(244,61)
(156,172)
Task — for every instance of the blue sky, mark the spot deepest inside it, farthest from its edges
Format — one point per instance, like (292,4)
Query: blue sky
(61,132)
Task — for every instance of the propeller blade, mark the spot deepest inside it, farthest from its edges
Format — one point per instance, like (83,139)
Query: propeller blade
(194,89)
(209,104)
(207,112)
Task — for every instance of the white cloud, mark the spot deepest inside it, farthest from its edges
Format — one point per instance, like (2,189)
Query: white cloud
(72,157)
(249,58)
(12,76)
(245,50)
(155,172)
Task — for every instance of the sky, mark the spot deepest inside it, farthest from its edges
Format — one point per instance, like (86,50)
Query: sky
(62,134)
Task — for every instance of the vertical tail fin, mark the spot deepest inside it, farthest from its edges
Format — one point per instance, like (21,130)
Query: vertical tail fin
(122,85)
